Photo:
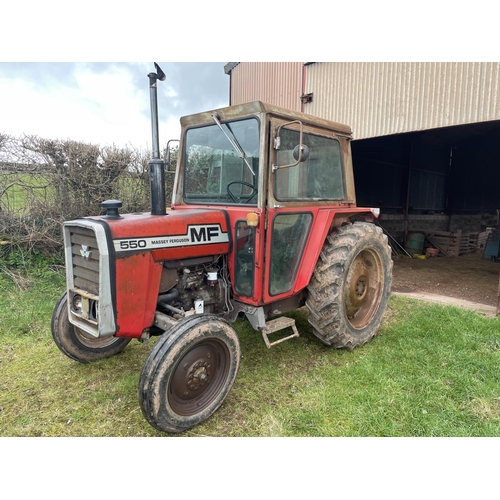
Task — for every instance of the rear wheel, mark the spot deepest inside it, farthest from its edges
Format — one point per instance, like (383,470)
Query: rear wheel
(350,286)
(189,373)
(80,345)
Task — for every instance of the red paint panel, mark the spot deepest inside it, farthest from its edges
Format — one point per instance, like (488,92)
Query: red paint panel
(138,273)
(137,284)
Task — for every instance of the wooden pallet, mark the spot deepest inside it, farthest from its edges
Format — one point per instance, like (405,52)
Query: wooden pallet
(468,242)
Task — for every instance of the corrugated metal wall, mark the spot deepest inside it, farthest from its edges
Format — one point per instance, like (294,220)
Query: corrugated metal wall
(377,99)
(272,82)
(386,98)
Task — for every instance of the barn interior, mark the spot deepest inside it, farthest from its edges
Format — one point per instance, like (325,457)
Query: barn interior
(438,191)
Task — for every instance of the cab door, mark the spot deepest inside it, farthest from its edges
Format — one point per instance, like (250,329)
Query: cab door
(305,183)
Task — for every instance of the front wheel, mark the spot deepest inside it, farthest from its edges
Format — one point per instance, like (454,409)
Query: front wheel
(350,286)
(189,373)
(77,344)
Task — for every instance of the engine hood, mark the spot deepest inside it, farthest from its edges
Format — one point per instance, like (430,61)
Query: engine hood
(178,235)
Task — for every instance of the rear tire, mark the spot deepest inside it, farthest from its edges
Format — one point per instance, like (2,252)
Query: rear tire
(80,345)
(350,286)
(189,373)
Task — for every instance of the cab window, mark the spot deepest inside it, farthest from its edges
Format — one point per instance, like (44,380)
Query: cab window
(320,177)
(222,163)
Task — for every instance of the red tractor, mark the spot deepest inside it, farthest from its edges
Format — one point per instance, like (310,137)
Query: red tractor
(263,220)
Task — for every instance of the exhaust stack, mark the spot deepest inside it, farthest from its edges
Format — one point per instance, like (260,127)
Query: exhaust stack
(156,164)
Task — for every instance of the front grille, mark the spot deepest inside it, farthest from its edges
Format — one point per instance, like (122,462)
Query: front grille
(85,259)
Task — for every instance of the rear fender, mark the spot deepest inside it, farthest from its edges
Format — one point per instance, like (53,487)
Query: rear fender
(325,221)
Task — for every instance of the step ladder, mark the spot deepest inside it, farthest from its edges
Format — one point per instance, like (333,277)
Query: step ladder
(276,325)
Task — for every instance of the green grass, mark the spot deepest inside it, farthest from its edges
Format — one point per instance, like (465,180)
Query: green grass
(431,371)
(22,189)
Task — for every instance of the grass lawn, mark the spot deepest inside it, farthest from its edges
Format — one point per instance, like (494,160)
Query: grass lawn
(431,371)
(22,189)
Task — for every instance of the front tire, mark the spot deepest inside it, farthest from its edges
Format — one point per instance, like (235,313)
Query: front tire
(350,286)
(189,373)
(77,344)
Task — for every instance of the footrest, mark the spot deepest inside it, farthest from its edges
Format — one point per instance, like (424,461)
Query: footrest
(276,325)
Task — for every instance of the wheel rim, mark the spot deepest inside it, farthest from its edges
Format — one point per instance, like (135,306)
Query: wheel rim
(93,342)
(363,288)
(198,377)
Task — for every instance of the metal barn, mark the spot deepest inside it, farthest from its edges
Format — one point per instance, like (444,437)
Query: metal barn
(425,135)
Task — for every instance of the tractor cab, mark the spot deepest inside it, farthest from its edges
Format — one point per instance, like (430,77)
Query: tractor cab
(277,174)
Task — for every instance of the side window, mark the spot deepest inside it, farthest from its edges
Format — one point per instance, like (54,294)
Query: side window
(320,177)
(244,259)
(289,236)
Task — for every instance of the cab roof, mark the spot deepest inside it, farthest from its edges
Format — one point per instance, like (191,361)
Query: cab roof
(259,107)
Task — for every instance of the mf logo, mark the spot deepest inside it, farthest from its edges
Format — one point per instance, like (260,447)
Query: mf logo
(204,233)
(196,234)
(85,252)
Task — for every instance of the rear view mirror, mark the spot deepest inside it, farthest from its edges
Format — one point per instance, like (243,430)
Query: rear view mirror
(301,152)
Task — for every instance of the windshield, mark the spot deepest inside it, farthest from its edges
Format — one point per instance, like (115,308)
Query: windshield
(222,163)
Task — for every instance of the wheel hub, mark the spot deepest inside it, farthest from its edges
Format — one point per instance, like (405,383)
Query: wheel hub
(197,378)
(363,288)
(357,290)
(199,375)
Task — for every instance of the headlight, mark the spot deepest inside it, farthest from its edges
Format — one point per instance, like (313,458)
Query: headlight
(76,303)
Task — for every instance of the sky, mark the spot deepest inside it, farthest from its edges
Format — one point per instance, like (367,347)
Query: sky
(108,102)
(105,103)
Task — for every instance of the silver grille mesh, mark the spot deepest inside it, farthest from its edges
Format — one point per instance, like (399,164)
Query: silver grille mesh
(85,258)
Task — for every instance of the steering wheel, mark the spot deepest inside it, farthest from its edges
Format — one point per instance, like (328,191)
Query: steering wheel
(243,183)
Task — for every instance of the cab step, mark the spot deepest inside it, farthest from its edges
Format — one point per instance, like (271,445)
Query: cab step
(276,325)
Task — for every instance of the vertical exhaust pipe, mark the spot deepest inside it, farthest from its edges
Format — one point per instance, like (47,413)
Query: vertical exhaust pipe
(156,164)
